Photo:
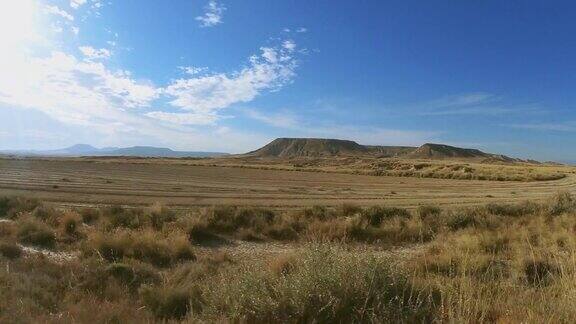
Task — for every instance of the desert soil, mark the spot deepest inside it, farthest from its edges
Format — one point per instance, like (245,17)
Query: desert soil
(92,183)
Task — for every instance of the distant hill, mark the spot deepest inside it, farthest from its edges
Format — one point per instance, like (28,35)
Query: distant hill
(316,147)
(296,147)
(442,151)
(134,151)
(150,151)
(319,147)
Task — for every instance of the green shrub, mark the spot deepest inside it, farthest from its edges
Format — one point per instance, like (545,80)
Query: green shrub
(170,302)
(113,247)
(461,219)
(323,285)
(540,272)
(429,211)
(89,215)
(320,213)
(70,223)
(160,214)
(149,249)
(4,206)
(10,250)
(376,215)
(120,217)
(133,275)
(230,219)
(561,203)
(512,210)
(10,207)
(182,251)
(36,233)
(349,209)
(199,234)
(46,214)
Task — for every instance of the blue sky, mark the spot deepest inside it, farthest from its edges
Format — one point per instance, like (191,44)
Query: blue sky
(231,75)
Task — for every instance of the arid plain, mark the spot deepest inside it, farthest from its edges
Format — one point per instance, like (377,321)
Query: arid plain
(271,183)
(302,230)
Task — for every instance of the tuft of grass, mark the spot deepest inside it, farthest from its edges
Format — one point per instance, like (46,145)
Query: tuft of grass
(10,250)
(376,215)
(12,207)
(159,215)
(170,302)
(89,215)
(429,211)
(120,217)
(540,272)
(46,214)
(562,202)
(146,246)
(133,274)
(70,224)
(36,233)
(349,288)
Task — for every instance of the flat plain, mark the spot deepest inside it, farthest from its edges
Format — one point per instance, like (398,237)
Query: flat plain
(141,240)
(205,182)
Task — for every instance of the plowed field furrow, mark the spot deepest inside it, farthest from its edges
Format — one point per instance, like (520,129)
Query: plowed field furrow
(68,181)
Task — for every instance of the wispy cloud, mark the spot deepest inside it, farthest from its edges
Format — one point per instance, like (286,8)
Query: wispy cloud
(83,94)
(212,15)
(193,70)
(558,127)
(205,95)
(185,118)
(77,3)
(92,53)
(55,10)
(478,103)
(71,90)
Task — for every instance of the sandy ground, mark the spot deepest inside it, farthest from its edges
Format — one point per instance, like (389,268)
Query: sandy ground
(92,183)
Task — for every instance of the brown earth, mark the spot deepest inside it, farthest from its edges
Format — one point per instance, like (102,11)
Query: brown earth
(124,182)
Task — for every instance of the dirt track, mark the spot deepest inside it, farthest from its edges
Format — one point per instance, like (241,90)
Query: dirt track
(84,182)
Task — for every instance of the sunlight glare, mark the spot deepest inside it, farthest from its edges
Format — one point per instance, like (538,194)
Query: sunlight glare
(17,23)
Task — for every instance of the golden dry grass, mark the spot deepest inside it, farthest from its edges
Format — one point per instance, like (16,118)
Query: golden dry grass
(173,182)
(489,263)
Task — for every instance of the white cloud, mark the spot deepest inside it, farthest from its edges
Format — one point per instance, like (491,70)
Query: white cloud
(282,120)
(269,54)
(192,70)
(185,118)
(86,100)
(212,15)
(92,53)
(302,30)
(54,10)
(289,45)
(205,95)
(77,3)
(467,99)
(71,90)
(470,104)
(75,30)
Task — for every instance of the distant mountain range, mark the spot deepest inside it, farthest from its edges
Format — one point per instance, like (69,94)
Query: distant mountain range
(135,151)
(320,147)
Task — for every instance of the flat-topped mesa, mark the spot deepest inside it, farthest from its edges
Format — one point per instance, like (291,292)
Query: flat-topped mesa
(430,150)
(442,151)
(324,147)
(304,147)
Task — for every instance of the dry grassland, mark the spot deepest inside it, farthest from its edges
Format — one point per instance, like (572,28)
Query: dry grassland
(179,183)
